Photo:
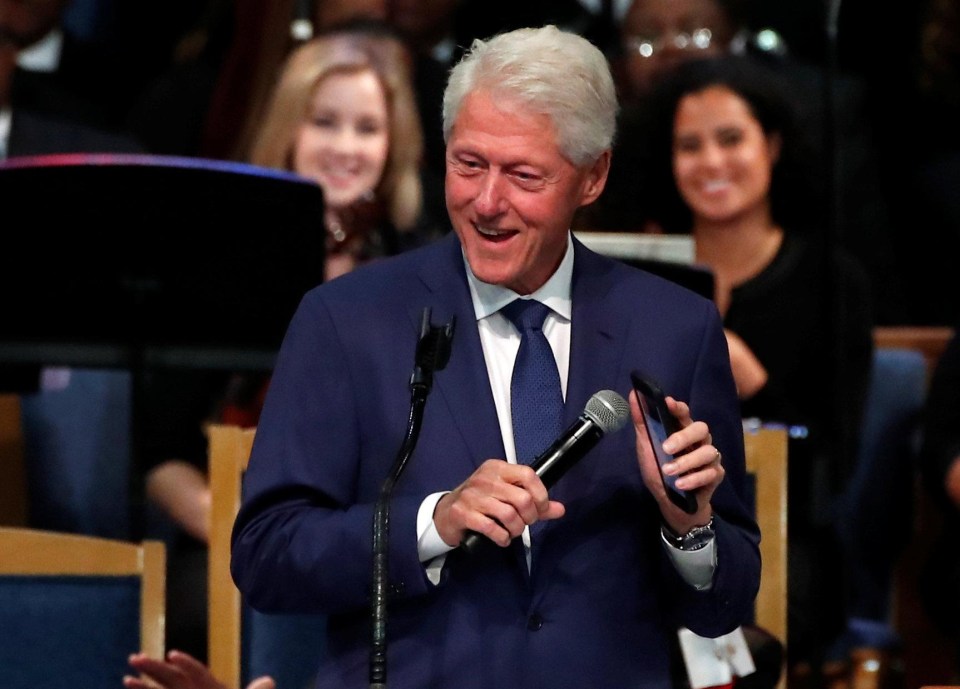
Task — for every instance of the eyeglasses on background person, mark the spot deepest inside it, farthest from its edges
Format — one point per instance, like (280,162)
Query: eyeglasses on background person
(701,39)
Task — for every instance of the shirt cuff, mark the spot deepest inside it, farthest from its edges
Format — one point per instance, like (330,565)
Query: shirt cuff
(696,567)
(431,549)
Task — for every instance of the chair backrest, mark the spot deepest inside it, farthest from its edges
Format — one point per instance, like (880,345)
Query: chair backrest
(77,444)
(243,643)
(72,608)
(766,459)
(930,341)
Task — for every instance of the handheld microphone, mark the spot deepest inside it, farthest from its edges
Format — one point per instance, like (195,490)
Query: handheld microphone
(605,411)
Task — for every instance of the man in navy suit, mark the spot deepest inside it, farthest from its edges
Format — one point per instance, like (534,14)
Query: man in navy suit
(594,597)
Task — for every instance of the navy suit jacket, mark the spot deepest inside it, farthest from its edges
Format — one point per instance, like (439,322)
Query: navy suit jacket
(602,599)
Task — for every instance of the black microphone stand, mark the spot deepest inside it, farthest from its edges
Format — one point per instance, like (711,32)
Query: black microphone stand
(433,352)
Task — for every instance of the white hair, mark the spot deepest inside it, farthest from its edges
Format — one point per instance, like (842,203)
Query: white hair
(545,70)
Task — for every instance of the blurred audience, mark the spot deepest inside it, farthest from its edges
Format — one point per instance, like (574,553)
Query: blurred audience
(169,114)
(659,34)
(731,169)
(47,101)
(62,72)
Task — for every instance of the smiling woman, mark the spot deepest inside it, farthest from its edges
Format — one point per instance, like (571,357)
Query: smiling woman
(729,168)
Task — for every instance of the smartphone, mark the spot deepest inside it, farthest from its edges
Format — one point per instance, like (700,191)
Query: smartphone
(660,424)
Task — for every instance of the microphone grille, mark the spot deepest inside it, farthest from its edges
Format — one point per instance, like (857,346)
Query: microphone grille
(608,410)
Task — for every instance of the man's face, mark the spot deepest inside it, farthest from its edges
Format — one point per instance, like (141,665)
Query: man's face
(24,22)
(511,194)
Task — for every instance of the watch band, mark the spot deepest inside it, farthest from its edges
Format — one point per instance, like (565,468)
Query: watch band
(695,539)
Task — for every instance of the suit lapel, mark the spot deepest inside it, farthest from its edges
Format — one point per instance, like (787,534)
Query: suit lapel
(463,385)
(597,333)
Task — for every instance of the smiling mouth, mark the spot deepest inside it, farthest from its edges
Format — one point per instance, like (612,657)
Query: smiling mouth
(493,234)
(341,178)
(716,186)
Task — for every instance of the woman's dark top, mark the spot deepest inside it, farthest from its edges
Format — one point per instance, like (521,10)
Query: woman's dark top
(811,328)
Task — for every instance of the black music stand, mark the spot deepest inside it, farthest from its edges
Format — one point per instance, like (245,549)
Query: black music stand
(127,261)
(107,253)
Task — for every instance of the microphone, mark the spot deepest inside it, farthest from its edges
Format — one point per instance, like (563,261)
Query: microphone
(605,411)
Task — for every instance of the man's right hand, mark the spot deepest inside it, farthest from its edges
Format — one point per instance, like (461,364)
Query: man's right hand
(498,500)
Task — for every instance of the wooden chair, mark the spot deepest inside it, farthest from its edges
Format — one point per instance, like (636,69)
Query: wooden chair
(930,341)
(72,608)
(244,644)
(229,451)
(766,459)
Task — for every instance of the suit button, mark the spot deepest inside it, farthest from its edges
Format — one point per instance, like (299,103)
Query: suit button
(534,622)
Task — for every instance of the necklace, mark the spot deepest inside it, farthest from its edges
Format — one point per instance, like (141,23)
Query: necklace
(335,231)
(353,229)
(340,236)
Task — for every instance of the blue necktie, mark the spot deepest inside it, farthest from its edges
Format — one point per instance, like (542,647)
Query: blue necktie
(536,400)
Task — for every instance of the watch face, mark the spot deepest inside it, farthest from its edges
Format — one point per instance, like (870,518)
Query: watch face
(695,541)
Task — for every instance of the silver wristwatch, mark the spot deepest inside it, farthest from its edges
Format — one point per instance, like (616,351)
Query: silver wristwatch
(695,539)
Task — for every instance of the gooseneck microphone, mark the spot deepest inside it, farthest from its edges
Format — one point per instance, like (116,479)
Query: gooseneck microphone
(606,411)
(433,352)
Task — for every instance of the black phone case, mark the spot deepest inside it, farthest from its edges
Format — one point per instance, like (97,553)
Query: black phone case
(655,397)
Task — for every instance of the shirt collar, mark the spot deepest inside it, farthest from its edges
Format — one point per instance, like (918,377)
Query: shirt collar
(555,292)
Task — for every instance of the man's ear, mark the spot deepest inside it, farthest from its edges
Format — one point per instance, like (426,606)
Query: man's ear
(596,179)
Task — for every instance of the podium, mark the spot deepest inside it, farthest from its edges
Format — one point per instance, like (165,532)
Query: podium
(143,262)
